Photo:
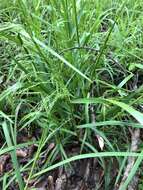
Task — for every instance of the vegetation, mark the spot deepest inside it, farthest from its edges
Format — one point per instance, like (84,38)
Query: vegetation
(58,60)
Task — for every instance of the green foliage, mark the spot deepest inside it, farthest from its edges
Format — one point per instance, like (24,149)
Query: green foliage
(50,54)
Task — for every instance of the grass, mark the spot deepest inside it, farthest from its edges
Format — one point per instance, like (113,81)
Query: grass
(50,54)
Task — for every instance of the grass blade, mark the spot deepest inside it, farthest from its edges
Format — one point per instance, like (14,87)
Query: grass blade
(13,156)
(136,114)
(89,155)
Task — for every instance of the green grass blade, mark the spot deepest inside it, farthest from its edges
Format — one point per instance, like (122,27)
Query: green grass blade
(10,90)
(136,114)
(112,123)
(13,156)
(89,155)
(76,21)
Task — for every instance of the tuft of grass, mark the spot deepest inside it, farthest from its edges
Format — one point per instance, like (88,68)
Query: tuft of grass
(51,53)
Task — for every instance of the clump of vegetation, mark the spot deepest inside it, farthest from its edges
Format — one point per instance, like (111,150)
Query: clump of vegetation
(71,94)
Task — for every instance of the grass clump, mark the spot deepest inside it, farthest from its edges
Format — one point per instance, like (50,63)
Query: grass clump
(57,60)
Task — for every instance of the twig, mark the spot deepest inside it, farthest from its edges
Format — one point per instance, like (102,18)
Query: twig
(87,171)
(131,160)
